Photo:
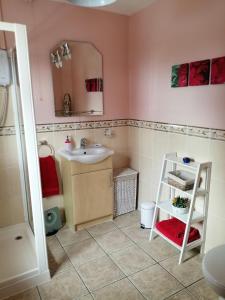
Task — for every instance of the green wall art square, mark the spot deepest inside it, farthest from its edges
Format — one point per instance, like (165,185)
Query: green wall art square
(179,76)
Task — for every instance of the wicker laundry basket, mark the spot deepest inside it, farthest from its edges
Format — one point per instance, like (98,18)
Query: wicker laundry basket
(125,190)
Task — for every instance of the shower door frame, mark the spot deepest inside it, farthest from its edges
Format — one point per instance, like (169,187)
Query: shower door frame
(21,42)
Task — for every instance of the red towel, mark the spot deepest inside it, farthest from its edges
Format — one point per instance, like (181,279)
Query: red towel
(49,179)
(174,230)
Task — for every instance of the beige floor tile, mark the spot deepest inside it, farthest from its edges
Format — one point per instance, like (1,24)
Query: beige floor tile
(155,283)
(101,228)
(158,248)
(114,240)
(99,273)
(188,272)
(80,253)
(128,219)
(136,233)
(132,259)
(183,295)
(65,286)
(201,290)
(53,244)
(121,290)
(58,262)
(68,236)
(31,294)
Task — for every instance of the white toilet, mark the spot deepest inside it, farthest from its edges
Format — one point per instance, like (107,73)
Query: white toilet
(213,267)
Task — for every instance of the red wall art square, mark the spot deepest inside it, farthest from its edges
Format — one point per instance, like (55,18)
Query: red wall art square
(179,75)
(199,72)
(218,70)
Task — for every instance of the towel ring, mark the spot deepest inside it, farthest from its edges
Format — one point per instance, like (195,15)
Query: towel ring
(45,143)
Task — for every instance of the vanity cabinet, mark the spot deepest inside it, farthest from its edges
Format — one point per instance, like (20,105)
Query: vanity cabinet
(88,192)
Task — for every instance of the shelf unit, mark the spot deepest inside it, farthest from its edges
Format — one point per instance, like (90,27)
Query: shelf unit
(172,161)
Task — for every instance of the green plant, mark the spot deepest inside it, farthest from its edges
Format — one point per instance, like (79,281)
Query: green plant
(180,202)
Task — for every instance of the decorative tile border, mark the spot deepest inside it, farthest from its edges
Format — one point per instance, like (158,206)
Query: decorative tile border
(7,130)
(215,134)
(41,128)
(81,125)
(203,132)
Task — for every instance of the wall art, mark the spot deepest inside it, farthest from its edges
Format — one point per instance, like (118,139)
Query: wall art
(218,70)
(179,76)
(199,72)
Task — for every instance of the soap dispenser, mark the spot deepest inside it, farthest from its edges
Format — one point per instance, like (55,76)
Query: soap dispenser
(68,144)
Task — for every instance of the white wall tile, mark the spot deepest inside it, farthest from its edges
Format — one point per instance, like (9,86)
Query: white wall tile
(201,149)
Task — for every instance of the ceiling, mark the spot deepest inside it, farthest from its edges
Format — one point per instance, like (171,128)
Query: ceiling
(124,7)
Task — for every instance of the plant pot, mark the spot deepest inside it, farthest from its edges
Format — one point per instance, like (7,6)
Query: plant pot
(180,210)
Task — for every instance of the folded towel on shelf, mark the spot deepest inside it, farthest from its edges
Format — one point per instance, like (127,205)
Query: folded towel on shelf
(174,230)
(49,178)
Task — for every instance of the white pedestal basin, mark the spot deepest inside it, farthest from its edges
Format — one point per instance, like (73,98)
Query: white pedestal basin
(213,267)
(88,155)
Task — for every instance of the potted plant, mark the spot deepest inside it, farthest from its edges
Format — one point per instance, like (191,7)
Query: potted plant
(180,205)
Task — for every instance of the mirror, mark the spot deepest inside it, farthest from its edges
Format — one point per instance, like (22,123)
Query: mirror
(77,79)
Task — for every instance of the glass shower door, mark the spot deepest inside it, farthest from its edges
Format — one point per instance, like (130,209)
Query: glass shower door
(19,127)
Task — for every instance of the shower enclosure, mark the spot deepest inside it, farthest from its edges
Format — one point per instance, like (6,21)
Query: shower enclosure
(23,256)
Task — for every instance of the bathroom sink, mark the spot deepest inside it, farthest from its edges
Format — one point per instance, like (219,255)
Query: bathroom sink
(88,155)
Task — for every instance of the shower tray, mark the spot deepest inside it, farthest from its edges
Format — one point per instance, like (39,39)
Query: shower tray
(17,254)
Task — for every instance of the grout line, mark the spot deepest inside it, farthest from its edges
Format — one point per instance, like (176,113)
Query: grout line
(74,242)
(179,279)
(118,281)
(106,254)
(108,284)
(136,288)
(184,287)
(38,292)
(172,275)
(72,265)
(137,243)
(176,277)
(78,274)
(111,230)
(126,276)
(174,294)
(194,282)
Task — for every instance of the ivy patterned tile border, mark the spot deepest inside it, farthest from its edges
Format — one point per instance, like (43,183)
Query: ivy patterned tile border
(81,125)
(203,132)
(41,128)
(7,130)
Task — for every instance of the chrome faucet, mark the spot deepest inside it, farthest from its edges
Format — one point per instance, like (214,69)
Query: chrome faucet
(83,143)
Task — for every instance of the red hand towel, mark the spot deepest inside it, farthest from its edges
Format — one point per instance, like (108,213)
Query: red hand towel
(174,230)
(49,179)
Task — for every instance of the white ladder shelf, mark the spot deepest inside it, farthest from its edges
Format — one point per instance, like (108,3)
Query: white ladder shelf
(172,161)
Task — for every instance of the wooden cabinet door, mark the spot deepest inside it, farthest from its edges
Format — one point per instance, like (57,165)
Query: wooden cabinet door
(93,195)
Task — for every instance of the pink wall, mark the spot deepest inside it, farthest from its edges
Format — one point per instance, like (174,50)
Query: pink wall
(50,22)
(2,40)
(165,33)
(172,32)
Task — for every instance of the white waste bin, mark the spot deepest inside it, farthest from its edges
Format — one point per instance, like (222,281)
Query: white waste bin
(147,211)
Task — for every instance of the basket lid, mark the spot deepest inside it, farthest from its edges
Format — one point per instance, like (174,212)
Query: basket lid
(123,172)
(147,205)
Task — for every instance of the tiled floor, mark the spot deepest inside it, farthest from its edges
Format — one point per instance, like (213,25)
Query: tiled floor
(115,260)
